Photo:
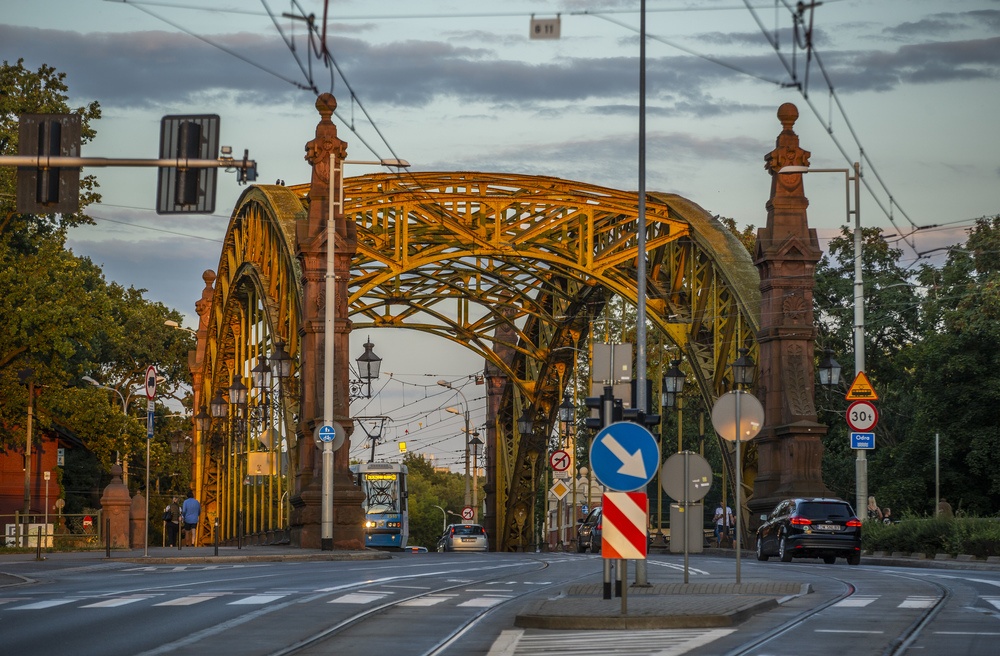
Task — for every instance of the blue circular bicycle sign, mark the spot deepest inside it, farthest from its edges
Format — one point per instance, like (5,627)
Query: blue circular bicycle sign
(624,456)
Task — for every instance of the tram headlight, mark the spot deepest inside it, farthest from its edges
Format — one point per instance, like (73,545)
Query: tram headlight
(369,524)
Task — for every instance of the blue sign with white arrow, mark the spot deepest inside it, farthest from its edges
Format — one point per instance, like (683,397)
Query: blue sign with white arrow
(624,456)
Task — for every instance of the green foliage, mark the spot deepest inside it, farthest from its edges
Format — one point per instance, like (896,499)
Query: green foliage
(62,320)
(427,489)
(975,536)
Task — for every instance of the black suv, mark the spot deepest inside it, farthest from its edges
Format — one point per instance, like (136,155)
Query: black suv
(588,532)
(810,528)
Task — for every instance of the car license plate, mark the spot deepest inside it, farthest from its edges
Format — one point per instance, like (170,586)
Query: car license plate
(828,527)
(468,539)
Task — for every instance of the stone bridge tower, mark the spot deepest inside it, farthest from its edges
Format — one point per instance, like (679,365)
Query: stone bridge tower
(790,447)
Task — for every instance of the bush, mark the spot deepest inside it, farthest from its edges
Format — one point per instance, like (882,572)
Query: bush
(977,536)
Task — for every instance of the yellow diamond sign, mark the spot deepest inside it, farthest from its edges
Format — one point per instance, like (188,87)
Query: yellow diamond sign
(560,490)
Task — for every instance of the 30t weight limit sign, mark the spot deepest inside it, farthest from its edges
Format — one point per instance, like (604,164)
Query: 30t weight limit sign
(862,416)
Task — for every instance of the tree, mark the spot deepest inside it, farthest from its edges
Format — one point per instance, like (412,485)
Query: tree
(958,371)
(892,327)
(427,489)
(62,320)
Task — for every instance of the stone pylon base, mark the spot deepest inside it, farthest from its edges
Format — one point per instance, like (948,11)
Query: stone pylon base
(348,516)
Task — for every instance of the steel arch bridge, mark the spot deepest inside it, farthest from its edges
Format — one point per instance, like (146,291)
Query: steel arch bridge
(514,267)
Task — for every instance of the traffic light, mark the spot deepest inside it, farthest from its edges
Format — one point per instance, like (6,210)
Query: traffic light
(187,190)
(49,190)
(602,404)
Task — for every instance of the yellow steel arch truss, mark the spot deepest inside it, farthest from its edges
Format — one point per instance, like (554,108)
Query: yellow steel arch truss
(514,267)
(243,461)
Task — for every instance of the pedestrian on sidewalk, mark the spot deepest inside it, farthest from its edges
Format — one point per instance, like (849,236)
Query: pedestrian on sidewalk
(190,511)
(724,520)
(874,512)
(172,517)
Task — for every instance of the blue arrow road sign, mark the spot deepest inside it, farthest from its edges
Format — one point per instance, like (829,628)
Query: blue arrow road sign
(624,456)
(862,440)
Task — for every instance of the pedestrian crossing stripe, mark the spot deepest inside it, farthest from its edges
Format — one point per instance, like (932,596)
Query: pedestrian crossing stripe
(257,600)
(858,601)
(191,600)
(994,601)
(918,601)
(117,601)
(360,598)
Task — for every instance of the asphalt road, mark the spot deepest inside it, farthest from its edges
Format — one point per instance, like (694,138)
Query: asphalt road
(460,604)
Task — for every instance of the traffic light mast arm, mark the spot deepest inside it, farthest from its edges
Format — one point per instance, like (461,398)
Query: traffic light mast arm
(52,161)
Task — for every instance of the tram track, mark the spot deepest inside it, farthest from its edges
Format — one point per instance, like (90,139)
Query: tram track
(319,638)
(897,646)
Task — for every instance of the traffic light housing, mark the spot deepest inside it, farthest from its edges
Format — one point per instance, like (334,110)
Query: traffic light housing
(182,190)
(49,190)
(599,403)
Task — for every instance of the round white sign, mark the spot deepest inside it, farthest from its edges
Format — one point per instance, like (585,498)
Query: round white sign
(862,416)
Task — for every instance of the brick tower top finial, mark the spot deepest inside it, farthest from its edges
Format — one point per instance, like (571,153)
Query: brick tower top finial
(788,114)
(326,104)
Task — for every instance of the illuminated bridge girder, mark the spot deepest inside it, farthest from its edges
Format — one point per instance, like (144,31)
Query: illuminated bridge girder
(515,268)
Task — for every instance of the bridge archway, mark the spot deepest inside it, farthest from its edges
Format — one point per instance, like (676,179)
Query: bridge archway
(515,268)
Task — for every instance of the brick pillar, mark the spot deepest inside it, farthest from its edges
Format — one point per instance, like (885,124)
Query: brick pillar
(348,517)
(790,447)
(116,504)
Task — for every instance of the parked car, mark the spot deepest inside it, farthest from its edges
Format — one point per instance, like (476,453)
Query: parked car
(464,537)
(588,532)
(810,528)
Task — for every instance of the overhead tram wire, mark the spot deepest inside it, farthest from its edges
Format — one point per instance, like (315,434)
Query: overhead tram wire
(863,155)
(218,46)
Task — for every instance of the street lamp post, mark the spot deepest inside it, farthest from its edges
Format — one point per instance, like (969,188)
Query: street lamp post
(465,406)
(476,443)
(27,375)
(444,518)
(861,462)
(742,377)
(567,416)
(334,207)
(673,386)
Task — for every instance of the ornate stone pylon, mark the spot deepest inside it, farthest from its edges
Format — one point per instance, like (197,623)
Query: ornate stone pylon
(348,516)
(790,447)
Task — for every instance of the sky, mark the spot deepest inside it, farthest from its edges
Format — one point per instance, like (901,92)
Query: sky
(907,87)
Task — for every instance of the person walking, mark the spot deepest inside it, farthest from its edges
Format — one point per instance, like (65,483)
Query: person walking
(171,517)
(723,521)
(190,511)
(874,512)
(887,515)
(944,510)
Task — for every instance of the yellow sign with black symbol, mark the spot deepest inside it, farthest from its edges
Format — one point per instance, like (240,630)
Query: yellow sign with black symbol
(861,389)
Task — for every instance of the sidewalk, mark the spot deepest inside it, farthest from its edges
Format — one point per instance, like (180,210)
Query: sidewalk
(186,556)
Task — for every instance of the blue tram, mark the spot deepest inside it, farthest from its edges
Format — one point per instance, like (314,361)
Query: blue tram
(386,518)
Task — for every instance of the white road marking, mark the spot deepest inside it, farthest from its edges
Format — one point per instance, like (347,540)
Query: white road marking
(844,631)
(660,642)
(116,602)
(191,600)
(857,601)
(677,566)
(430,600)
(257,600)
(359,598)
(483,602)
(44,604)
(995,601)
(918,601)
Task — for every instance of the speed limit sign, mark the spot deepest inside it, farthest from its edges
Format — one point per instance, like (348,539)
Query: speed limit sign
(862,416)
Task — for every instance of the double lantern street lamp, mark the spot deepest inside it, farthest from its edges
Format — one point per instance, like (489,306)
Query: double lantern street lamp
(277,367)
(567,418)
